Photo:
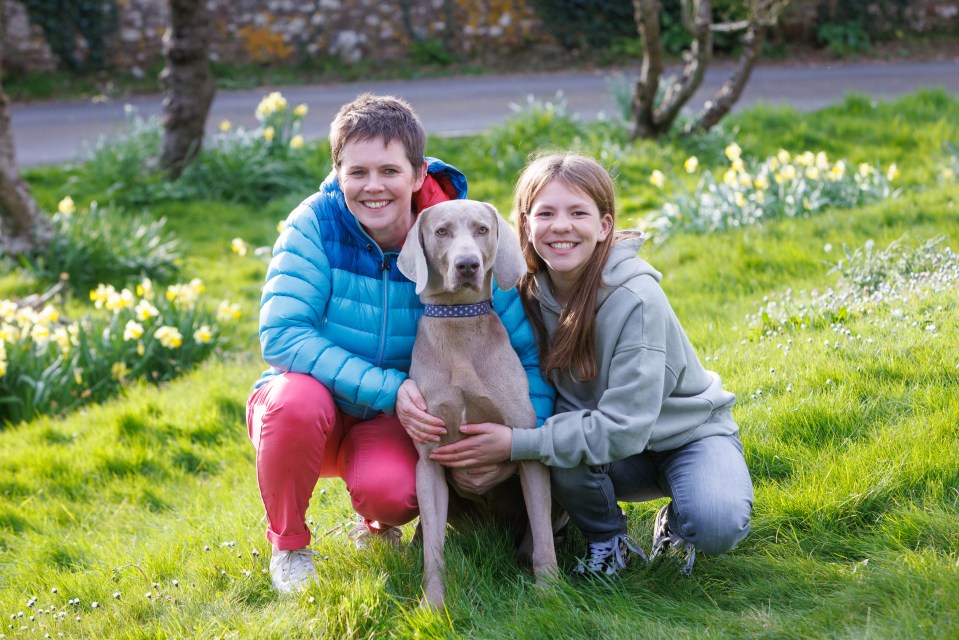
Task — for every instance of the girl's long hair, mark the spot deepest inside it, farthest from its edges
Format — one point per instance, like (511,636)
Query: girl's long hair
(573,345)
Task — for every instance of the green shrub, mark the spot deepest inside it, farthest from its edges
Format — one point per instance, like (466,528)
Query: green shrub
(105,244)
(845,39)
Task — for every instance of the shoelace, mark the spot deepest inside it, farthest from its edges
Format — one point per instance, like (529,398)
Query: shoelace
(667,541)
(599,552)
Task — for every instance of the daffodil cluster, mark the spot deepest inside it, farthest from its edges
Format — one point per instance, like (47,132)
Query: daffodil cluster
(781,186)
(280,125)
(50,364)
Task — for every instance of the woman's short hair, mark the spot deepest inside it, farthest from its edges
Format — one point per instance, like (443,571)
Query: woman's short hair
(371,116)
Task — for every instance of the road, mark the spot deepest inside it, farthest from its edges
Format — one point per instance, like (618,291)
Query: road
(49,133)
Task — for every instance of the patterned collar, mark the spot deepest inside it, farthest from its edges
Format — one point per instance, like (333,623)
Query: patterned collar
(458,310)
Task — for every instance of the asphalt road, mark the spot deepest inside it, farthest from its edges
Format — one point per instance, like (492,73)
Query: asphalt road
(48,133)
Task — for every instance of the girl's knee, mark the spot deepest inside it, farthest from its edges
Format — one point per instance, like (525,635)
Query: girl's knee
(715,532)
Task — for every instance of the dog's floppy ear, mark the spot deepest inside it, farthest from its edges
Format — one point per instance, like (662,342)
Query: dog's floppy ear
(412,259)
(510,265)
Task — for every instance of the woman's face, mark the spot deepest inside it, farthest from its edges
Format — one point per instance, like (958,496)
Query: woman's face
(378,182)
(564,226)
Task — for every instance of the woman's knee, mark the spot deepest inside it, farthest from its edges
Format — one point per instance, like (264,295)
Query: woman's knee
(296,408)
(388,500)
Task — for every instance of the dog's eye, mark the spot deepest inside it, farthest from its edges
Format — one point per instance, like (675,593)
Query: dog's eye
(483,230)
(441,231)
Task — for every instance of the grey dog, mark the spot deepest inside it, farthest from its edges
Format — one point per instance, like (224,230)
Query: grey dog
(465,367)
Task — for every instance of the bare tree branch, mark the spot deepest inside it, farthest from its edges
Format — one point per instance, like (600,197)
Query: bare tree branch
(644,92)
(732,89)
(696,61)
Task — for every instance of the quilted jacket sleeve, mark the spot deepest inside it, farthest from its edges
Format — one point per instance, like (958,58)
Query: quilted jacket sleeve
(510,309)
(292,308)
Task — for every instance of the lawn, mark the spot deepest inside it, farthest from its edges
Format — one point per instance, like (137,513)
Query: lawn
(139,517)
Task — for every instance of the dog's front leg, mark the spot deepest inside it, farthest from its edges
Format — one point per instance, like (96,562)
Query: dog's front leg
(432,493)
(534,477)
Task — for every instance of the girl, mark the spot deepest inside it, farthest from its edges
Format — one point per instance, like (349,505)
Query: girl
(637,416)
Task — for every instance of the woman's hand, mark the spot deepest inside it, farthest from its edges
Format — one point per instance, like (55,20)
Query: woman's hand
(411,411)
(479,480)
(487,443)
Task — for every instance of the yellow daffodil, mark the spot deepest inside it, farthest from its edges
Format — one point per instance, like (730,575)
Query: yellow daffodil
(272,103)
(812,173)
(733,152)
(730,177)
(40,334)
(691,164)
(759,197)
(892,173)
(657,179)
(281,226)
(806,158)
(761,183)
(8,333)
(78,376)
(948,175)
(296,142)
(66,206)
(783,156)
(737,165)
(118,301)
(744,179)
(225,125)
(140,349)
(169,337)
(197,285)
(203,335)
(301,110)
(8,309)
(47,316)
(145,289)
(62,337)
(740,199)
(100,295)
(145,310)
(3,367)
(132,331)
(865,169)
(182,295)
(119,370)
(238,246)
(226,311)
(269,133)
(838,171)
(822,161)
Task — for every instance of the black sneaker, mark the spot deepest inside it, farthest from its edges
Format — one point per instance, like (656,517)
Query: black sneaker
(607,557)
(668,543)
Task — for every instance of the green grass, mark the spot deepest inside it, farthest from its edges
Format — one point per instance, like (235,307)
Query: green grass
(853,446)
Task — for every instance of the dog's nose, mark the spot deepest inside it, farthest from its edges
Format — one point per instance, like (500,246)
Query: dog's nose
(467,266)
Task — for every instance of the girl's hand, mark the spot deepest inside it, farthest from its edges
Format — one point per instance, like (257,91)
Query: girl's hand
(479,480)
(488,443)
(411,411)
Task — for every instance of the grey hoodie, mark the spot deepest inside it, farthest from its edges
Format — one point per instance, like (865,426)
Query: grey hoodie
(651,391)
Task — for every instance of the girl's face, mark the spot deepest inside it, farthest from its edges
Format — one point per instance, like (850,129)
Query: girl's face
(564,225)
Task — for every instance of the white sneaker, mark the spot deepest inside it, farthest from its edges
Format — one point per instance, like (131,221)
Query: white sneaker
(361,535)
(292,570)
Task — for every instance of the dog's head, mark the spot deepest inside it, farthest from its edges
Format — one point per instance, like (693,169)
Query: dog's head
(454,247)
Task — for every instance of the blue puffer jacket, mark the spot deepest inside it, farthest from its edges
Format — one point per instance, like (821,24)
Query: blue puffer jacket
(336,307)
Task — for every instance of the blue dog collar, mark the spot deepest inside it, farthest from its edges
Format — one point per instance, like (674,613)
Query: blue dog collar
(458,310)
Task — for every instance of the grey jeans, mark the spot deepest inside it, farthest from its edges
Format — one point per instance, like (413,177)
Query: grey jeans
(707,479)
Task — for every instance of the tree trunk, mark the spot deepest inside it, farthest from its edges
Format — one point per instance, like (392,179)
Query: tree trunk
(649,119)
(23,229)
(187,83)
(729,93)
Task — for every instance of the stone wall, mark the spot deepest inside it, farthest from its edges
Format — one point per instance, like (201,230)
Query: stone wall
(286,31)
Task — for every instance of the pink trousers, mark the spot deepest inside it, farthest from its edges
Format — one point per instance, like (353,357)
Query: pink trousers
(300,436)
